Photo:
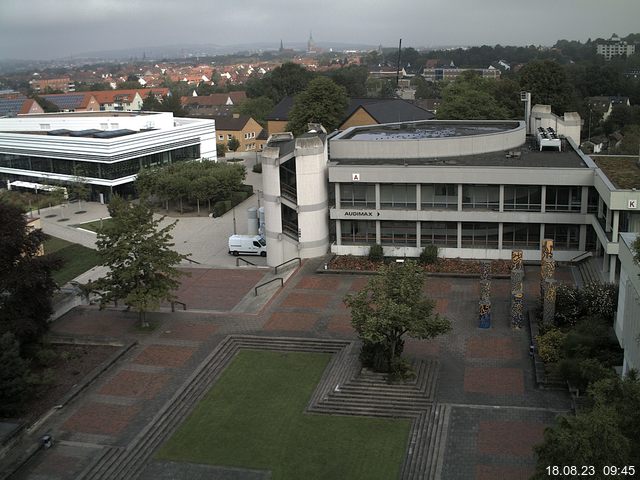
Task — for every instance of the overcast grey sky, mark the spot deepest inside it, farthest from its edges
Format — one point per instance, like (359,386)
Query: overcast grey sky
(44,29)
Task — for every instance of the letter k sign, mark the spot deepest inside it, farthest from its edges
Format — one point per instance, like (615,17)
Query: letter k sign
(633,204)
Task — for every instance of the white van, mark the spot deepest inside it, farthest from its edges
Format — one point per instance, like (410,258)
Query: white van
(247,244)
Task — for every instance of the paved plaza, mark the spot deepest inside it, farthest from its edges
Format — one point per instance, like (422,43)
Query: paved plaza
(485,377)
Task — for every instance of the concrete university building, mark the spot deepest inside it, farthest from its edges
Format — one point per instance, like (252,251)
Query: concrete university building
(105,149)
(476,189)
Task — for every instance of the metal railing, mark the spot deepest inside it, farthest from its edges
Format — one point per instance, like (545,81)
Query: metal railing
(285,263)
(238,259)
(581,257)
(192,261)
(173,305)
(267,283)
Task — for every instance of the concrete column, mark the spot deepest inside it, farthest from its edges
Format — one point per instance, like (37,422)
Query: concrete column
(378,234)
(501,202)
(607,222)
(378,197)
(338,232)
(543,202)
(584,200)
(612,268)
(615,226)
(459,197)
(418,239)
(418,197)
(600,205)
(337,194)
(500,231)
(541,232)
(605,261)
(582,241)
(459,234)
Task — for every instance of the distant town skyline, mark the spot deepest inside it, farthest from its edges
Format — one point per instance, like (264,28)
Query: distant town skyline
(44,29)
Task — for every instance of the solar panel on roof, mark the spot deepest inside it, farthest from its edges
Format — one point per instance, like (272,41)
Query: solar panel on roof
(11,106)
(114,133)
(66,102)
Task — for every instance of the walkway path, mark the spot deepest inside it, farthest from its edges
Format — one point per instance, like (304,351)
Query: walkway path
(486,413)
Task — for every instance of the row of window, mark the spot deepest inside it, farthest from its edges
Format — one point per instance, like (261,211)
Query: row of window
(108,171)
(247,136)
(474,197)
(473,235)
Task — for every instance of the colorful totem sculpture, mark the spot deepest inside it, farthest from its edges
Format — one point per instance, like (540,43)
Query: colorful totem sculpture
(485,295)
(517,289)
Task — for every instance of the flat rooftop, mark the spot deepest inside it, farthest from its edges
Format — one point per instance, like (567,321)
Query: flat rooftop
(624,172)
(102,113)
(526,156)
(426,130)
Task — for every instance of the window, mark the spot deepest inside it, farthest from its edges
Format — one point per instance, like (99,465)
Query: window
(565,237)
(521,235)
(480,235)
(401,196)
(480,197)
(439,196)
(220,137)
(229,136)
(592,201)
(45,126)
(522,198)
(358,232)
(442,234)
(563,199)
(361,195)
(398,233)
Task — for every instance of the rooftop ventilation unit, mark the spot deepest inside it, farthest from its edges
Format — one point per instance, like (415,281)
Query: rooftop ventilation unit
(548,139)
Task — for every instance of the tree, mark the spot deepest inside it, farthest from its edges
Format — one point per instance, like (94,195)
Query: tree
(285,80)
(391,306)
(470,97)
(353,78)
(233,144)
(142,265)
(26,280)
(14,371)
(256,108)
(592,438)
(150,103)
(322,102)
(548,83)
(80,187)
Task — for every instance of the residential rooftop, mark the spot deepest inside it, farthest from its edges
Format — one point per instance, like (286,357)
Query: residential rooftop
(624,172)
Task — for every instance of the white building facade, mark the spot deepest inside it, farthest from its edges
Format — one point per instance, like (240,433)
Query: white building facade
(106,149)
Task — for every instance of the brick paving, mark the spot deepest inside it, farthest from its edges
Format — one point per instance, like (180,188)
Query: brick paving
(494,381)
(128,383)
(164,355)
(486,375)
(509,438)
(292,322)
(101,418)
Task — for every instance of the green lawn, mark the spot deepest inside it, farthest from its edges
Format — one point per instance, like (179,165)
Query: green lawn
(77,259)
(253,418)
(95,225)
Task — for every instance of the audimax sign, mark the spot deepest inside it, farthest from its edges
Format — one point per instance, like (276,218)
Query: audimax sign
(361,213)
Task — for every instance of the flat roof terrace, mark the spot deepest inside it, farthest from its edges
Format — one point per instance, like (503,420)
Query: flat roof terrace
(624,172)
(427,130)
(527,155)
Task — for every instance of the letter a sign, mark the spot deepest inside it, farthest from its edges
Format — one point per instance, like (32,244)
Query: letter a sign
(355,177)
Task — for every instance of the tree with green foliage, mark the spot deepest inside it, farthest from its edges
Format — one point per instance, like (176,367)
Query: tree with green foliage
(425,89)
(80,188)
(353,78)
(605,434)
(322,102)
(26,280)
(14,372)
(470,97)
(221,149)
(390,306)
(233,144)
(256,108)
(150,103)
(140,260)
(286,80)
(548,83)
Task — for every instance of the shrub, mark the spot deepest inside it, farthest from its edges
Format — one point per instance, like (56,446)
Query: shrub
(238,197)
(568,308)
(581,372)
(14,373)
(257,168)
(376,253)
(429,255)
(550,345)
(45,356)
(221,207)
(600,299)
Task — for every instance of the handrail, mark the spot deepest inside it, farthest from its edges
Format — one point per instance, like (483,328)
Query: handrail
(288,261)
(267,283)
(582,256)
(245,261)
(173,305)
(192,261)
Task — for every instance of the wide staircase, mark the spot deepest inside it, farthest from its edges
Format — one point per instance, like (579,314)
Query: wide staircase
(590,271)
(343,390)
